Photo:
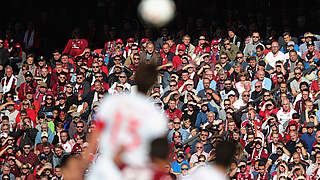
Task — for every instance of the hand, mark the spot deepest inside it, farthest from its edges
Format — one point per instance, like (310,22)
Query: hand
(79,98)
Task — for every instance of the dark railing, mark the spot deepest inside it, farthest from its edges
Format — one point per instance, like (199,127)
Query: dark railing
(195,138)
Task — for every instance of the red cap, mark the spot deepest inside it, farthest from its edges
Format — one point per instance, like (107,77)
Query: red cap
(143,40)
(182,47)
(119,41)
(215,41)
(130,40)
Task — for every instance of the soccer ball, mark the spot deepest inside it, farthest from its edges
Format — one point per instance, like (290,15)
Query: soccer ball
(157,12)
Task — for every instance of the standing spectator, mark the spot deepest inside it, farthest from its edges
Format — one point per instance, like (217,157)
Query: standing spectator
(250,48)
(76,44)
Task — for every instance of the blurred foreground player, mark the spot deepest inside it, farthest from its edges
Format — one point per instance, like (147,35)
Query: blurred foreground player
(218,171)
(131,122)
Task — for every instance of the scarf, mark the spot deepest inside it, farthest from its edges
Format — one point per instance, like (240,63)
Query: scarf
(7,85)
(29,39)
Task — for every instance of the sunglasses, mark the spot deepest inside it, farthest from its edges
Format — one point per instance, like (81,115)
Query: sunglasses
(26,147)
(201,161)
(117,59)
(257,86)
(246,95)
(68,86)
(172,85)
(176,122)
(204,135)
(79,77)
(199,147)
(136,58)
(184,169)
(98,76)
(122,76)
(239,57)
(227,44)
(223,57)
(95,66)
(49,98)
(79,126)
(134,49)
(255,36)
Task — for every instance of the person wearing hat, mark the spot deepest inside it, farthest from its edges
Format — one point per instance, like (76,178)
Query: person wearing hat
(309,137)
(29,85)
(41,94)
(303,48)
(150,55)
(177,59)
(312,53)
(134,50)
(189,47)
(291,47)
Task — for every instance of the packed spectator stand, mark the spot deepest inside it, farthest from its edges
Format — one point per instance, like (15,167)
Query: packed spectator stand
(255,87)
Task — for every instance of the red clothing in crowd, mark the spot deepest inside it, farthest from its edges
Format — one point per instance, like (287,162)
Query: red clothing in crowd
(75,47)
(172,114)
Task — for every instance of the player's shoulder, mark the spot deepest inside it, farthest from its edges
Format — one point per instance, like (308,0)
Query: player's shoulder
(206,173)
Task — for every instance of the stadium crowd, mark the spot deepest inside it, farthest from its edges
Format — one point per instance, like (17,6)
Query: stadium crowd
(255,86)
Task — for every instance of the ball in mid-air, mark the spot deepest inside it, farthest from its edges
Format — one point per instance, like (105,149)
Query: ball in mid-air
(157,12)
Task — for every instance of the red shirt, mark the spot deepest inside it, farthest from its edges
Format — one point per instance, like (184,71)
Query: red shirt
(176,61)
(75,47)
(173,114)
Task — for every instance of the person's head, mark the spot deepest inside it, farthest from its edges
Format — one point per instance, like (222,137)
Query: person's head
(150,48)
(80,78)
(6,169)
(176,123)
(80,126)
(64,136)
(255,37)
(184,169)
(211,117)
(258,86)
(262,167)
(310,46)
(240,57)
(245,96)
(225,151)
(275,47)
(8,71)
(30,59)
(186,40)
(27,148)
(206,83)
(286,37)
(297,73)
(293,135)
(58,150)
(204,135)
(223,58)
(260,75)
(199,147)
(293,55)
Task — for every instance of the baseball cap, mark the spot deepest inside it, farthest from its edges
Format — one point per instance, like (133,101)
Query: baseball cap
(291,43)
(96,103)
(310,124)
(44,134)
(119,41)
(262,63)
(3,135)
(181,47)
(143,40)
(43,84)
(41,58)
(75,114)
(215,41)
(28,73)
(310,43)
(130,40)
(43,156)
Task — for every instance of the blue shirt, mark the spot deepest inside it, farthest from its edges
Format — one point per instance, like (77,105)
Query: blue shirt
(213,85)
(183,132)
(266,81)
(176,167)
(309,140)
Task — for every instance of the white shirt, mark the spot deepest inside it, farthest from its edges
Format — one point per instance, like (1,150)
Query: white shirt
(273,59)
(285,116)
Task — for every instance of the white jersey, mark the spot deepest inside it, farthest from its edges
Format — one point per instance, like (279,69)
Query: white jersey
(130,121)
(208,172)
